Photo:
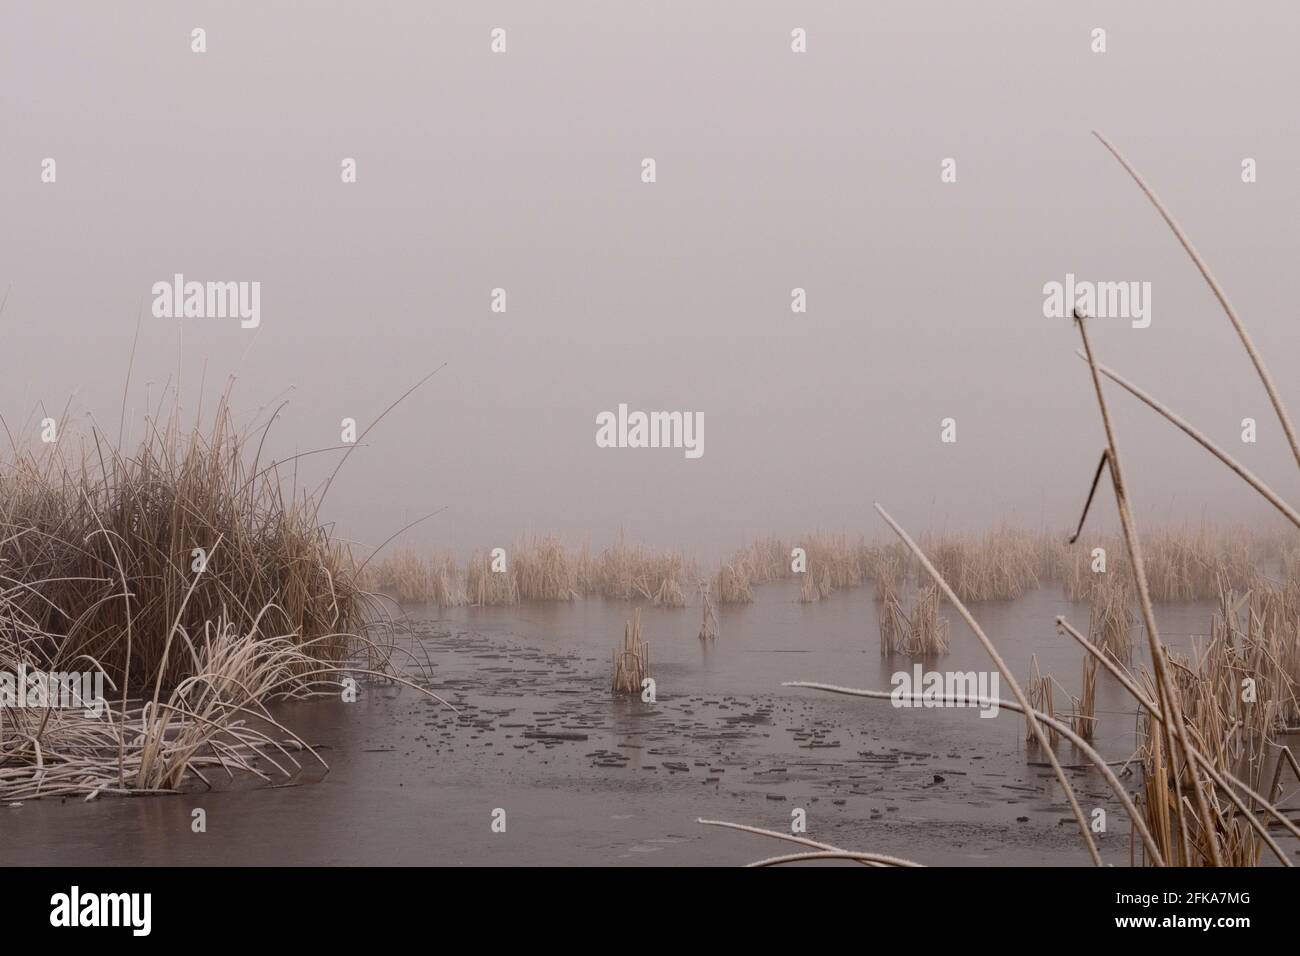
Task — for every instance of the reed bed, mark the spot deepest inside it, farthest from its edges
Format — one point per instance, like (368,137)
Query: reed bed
(447,584)
(997,565)
(765,560)
(733,584)
(1182,564)
(403,574)
(922,632)
(1256,635)
(486,587)
(834,564)
(197,585)
(631,660)
(1076,569)
(1052,555)
(586,570)
(1111,619)
(411,578)
(101,546)
(1232,737)
(888,567)
(538,569)
(626,572)
(1191,566)
(1000,564)
(543,570)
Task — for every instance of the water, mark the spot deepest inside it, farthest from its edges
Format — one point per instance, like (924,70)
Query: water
(586,779)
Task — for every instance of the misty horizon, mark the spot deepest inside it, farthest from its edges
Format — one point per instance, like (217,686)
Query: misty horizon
(925,298)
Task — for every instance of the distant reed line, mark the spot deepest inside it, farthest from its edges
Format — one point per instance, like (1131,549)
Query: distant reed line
(1004,563)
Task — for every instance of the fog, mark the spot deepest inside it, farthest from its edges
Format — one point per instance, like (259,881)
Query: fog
(774,171)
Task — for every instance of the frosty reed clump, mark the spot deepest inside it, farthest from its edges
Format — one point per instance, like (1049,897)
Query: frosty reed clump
(921,633)
(733,584)
(631,660)
(629,573)
(199,585)
(188,529)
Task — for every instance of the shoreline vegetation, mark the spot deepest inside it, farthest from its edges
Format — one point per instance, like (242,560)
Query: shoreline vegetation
(199,583)
(1183,564)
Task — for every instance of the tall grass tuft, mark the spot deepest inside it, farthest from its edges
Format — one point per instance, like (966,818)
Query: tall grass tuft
(198,585)
(109,554)
(1112,618)
(733,584)
(486,587)
(544,571)
(921,633)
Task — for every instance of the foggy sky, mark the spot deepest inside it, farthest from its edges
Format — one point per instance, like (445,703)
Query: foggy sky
(775,171)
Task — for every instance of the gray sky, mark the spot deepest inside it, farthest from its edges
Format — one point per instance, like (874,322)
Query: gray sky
(775,170)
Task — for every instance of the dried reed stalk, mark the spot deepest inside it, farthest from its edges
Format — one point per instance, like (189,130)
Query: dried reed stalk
(632,660)
(1168,702)
(1187,428)
(821,850)
(1040,698)
(1084,719)
(709,624)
